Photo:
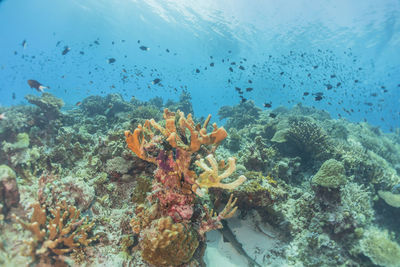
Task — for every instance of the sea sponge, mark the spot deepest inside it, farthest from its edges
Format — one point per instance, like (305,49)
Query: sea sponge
(168,244)
(331,174)
(382,251)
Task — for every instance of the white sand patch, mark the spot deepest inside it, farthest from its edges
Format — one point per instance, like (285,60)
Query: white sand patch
(257,239)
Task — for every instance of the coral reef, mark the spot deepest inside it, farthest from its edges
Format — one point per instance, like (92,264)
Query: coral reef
(168,223)
(322,186)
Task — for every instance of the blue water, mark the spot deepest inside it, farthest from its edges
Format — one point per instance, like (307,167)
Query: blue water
(286,48)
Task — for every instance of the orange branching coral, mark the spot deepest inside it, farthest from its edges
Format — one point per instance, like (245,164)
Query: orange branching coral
(57,234)
(211,177)
(175,132)
(137,142)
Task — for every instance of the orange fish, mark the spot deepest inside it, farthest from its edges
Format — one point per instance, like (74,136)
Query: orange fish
(37,85)
(78,103)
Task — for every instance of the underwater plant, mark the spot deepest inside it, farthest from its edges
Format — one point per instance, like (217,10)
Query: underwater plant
(171,226)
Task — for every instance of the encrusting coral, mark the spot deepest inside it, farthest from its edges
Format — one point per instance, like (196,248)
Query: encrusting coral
(174,189)
(56,232)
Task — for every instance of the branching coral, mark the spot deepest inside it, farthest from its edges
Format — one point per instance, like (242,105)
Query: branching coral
(59,233)
(175,136)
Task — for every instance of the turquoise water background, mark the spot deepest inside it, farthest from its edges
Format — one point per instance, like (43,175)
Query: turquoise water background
(286,48)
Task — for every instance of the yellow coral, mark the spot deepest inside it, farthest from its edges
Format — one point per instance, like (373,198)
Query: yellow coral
(60,234)
(211,177)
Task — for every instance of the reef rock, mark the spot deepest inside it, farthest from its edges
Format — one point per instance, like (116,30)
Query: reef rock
(48,104)
(331,174)
(9,194)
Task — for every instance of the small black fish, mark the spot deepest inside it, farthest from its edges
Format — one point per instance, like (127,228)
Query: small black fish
(167,50)
(282,73)
(111,60)
(356,81)
(241,67)
(58,43)
(249,89)
(250,81)
(374,94)
(144,48)
(315,67)
(212,64)
(267,105)
(233,63)
(197,71)
(318,98)
(230,68)
(272,115)
(243,100)
(338,84)
(333,76)
(66,50)
(329,86)
(156,81)
(81,52)
(369,104)
(24,43)
(284,85)
(306,93)
(238,89)
(96,42)
(13,96)
(319,94)
(138,41)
